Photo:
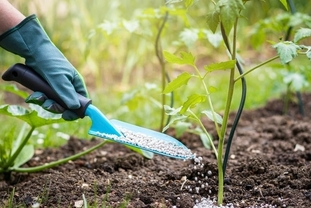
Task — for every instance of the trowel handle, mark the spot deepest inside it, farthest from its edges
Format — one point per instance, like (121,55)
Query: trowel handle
(27,77)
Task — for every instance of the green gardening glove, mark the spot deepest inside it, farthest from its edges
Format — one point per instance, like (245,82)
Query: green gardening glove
(29,40)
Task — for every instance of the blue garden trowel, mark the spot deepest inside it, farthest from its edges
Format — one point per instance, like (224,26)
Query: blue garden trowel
(114,130)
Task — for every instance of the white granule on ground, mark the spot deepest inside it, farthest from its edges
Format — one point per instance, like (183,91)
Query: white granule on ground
(209,203)
(149,143)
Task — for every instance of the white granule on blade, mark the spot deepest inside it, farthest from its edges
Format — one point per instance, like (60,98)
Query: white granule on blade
(149,143)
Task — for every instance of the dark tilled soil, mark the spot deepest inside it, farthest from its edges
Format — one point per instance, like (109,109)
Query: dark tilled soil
(269,165)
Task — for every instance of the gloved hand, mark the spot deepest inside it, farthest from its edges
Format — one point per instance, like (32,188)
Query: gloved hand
(29,40)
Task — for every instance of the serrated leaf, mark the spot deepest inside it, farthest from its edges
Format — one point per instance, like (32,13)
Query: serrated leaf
(229,12)
(181,80)
(301,34)
(210,115)
(287,51)
(213,19)
(32,117)
(296,80)
(284,2)
(185,58)
(220,66)
(25,155)
(192,101)
(189,36)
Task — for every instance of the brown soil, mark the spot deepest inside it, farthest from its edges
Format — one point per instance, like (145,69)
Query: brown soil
(269,165)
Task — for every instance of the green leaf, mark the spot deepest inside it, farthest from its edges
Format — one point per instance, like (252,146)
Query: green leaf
(181,80)
(131,26)
(185,58)
(301,34)
(145,153)
(229,12)
(25,155)
(296,80)
(34,118)
(212,89)
(210,115)
(287,51)
(213,19)
(192,101)
(173,120)
(189,36)
(284,2)
(220,66)
(214,38)
(188,3)
(204,138)
(181,127)
(171,111)
(13,89)
(308,54)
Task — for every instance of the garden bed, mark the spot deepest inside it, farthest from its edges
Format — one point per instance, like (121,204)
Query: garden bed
(269,167)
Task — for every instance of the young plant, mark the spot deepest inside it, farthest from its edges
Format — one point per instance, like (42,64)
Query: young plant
(15,151)
(225,16)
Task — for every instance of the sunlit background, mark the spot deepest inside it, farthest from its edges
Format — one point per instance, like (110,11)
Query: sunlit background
(112,44)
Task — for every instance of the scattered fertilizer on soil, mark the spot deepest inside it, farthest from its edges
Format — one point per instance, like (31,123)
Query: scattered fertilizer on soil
(149,143)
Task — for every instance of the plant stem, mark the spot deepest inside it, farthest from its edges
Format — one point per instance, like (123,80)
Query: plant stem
(158,50)
(19,149)
(58,162)
(205,132)
(209,102)
(256,67)
(226,112)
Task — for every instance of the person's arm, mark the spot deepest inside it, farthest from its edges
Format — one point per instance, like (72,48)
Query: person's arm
(9,16)
(24,36)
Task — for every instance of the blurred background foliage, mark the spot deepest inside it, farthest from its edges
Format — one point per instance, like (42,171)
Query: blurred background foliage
(112,44)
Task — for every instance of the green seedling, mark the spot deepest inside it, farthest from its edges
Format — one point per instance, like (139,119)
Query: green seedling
(295,78)
(224,16)
(16,150)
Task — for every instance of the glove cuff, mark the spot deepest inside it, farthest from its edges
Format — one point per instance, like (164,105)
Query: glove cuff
(17,27)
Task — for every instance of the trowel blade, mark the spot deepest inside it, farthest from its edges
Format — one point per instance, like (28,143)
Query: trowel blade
(135,136)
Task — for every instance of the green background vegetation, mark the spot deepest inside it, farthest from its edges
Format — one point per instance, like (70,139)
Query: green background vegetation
(112,44)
